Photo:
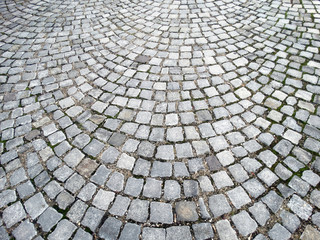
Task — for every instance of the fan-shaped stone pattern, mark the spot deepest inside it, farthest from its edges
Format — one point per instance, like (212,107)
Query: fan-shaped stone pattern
(159,119)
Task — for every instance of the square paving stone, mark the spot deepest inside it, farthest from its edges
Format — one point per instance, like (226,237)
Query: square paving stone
(161,169)
(300,207)
(103,199)
(178,233)
(13,214)
(64,199)
(165,152)
(92,218)
(283,172)
(244,223)
(219,205)
(87,167)
(250,165)
(101,175)
(225,231)
(221,179)
(254,187)
(82,235)
(120,206)
(25,231)
(152,188)
(146,149)
(278,232)
(267,176)
(239,174)
(225,158)
(126,162)
(94,148)
(49,219)
(184,150)
(300,186)
(130,232)
(195,165)
(268,158)
(133,186)
(64,230)
(205,184)
(180,170)
(142,167)
(74,183)
(310,233)
(289,221)
(116,182)
(24,190)
(36,205)
(172,190)
(161,213)
(238,197)
(203,231)
(260,213)
(311,177)
(138,210)
(190,188)
(77,211)
(73,158)
(149,233)
(110,228)
(186,211)
(273,201)
(52,189)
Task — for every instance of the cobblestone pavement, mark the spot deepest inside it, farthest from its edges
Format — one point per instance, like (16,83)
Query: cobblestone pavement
(136,119)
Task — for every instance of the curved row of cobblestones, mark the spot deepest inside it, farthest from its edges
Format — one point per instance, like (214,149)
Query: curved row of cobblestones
(159,119)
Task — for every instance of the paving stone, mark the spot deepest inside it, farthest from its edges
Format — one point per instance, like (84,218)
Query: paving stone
(130,231)
(77,211)
(289,221)
(300,207)
(13,214)
(103,199)
(244,223)
(178,233)
(25,230)
(225,230)
(186,211)
(82,235)
(273,201)
(101,175)
(36,205)
(116,181)
(221,179)
(110,228)
(238,197)
(48,219)
(238,173)
(64,199)
(7,196)
(172,190)
(161,213)
(152,188)
(310,233)
(92,218)
(161,169)
(149,233)
(203,231)
(279,232)
(267,176)
(300,186)
(219,205)
(310,177)
(64,230)
(110,155)
(190,188)
(138,210)
(314,198)
(142,167)
(120,206)
(260,213)
(254,187)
